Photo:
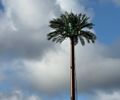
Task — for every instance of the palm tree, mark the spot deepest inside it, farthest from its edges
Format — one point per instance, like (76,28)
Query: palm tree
(75,27)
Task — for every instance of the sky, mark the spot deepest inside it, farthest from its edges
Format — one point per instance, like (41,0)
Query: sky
(33,68)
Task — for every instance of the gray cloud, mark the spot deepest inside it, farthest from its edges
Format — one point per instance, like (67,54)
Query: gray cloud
(102,69)
(51,74)
(115,47)
(24,44)
(25,37)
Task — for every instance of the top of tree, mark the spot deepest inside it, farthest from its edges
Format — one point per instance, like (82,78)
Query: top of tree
(70,25)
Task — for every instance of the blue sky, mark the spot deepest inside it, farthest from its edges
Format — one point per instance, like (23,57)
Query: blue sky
(33,68)
(107,22)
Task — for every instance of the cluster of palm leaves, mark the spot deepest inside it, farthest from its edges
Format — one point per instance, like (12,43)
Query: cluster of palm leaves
(69,25)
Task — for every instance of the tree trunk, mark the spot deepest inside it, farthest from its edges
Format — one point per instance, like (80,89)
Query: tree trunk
(72,70)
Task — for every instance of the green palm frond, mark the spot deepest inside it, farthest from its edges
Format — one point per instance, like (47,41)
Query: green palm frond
(88,35)
(56,36)
(56,23)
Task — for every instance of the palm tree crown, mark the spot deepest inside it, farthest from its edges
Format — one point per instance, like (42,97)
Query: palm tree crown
(69,25)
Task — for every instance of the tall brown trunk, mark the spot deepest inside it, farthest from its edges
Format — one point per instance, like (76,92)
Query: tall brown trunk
(72,70)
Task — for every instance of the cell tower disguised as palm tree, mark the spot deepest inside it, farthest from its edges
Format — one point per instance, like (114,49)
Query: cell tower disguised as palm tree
(75,27)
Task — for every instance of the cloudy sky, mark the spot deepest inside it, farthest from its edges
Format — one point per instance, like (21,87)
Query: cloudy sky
(33,68)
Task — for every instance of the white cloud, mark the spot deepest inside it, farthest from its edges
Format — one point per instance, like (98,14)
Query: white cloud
(107,96)
(24,27)
(17,95)
(71,5)
(75,6)
(28,13)
(51,73)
